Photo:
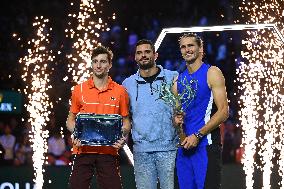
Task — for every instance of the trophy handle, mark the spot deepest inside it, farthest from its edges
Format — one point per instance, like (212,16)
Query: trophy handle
(181,134)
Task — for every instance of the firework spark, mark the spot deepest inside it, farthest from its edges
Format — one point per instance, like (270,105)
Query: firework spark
(261,78)
(36,78)
(85,36)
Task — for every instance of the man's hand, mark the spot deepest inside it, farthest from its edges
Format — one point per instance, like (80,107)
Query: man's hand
(119,143)
(190,142)
(75,142)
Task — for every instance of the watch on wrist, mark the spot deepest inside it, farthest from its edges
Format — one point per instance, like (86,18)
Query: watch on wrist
(198,135)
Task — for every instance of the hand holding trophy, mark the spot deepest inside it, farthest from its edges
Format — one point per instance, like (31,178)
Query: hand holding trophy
(179,102)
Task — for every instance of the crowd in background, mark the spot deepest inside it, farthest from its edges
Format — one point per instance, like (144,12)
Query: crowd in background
(16,147)
(222,49)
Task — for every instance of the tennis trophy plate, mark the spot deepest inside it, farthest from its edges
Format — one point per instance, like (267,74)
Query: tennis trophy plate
(98,129)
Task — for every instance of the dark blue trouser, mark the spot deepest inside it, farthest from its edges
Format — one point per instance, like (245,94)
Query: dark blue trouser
(199,168)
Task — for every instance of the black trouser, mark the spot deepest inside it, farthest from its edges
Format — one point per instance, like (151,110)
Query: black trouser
(107,171)
(214,169)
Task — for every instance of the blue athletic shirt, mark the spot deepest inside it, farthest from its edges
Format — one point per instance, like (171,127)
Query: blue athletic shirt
(199,111)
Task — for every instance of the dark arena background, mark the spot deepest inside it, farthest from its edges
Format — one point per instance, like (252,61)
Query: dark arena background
(45,48)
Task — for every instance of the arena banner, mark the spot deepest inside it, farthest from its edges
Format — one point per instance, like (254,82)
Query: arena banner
(11,102)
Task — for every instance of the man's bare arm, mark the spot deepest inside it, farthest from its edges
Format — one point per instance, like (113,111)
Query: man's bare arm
(70,123)
(126,126)
(216,82)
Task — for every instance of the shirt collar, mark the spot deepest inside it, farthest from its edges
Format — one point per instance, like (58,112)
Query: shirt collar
(110,83)
(161,74)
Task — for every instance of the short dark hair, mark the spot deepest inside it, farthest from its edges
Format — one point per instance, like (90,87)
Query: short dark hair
(198,39)
(102,50)
(145,41)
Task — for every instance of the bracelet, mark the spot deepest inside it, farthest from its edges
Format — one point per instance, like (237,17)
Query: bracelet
(198,135)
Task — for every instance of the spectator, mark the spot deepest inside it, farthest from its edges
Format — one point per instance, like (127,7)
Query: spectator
(2,152)
(56,148)
(23,151)
(229,145)
(8,142)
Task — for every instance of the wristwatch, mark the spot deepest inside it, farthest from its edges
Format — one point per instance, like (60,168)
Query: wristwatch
(198,135)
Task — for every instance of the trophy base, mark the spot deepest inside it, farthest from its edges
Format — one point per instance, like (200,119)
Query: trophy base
(182,136)
(88,143)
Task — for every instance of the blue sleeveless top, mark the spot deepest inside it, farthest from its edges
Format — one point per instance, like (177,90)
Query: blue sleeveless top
(200,109)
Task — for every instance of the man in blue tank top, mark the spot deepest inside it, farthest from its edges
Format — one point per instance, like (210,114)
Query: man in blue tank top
(199,159)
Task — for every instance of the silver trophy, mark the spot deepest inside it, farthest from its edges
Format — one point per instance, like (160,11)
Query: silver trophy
(98,129)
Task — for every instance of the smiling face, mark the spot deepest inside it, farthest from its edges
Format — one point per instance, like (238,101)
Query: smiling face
(145,56)
(190,50)
(101,65)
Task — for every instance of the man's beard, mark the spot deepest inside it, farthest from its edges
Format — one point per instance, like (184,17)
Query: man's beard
(193,59)
(151,64)
(190,61)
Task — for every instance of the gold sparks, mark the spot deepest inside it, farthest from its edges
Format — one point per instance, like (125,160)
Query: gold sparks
(89,26)
(36,78)
(261,79)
